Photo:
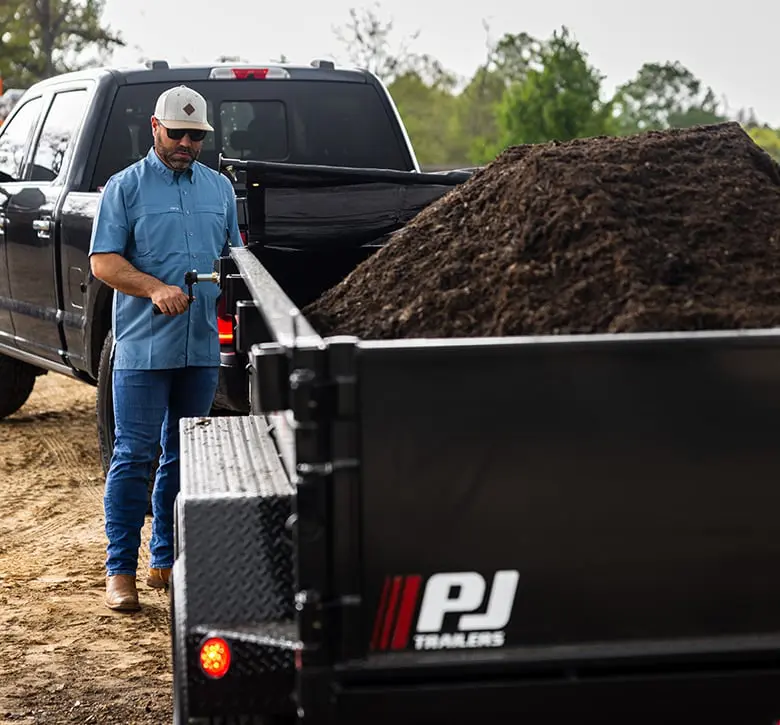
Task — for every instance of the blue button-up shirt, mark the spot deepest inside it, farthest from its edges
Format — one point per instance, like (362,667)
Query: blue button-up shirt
(166,223)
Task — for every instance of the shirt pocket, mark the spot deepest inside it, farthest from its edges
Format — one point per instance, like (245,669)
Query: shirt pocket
(154,226)
(211,229)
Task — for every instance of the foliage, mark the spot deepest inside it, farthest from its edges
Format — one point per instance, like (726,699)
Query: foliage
(527,91)
(41,38)
(558,99)
(664,95)
(768,138)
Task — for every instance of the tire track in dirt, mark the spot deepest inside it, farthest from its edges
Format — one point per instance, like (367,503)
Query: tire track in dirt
(68,659)
(56,455)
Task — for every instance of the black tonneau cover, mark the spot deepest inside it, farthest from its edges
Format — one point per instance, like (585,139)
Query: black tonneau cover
(279,174)
(302,206)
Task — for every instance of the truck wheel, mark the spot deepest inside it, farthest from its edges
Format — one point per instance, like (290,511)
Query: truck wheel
(16,383)
(104,405)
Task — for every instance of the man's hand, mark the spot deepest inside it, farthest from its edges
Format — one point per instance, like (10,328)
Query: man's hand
(117,272)
(170,299)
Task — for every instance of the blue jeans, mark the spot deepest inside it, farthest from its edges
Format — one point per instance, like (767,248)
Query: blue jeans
(147,407)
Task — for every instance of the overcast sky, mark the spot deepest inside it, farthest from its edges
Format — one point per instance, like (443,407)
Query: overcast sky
(732,48)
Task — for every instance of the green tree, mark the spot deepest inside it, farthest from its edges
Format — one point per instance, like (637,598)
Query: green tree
(560,100)
(664,95)
(14,44)
(420,86)
(41,38)
(508,61)
(768,139)
(476,114)
(427,108)
(514,55)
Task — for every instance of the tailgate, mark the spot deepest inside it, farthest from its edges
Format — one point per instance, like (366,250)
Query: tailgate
(571,500)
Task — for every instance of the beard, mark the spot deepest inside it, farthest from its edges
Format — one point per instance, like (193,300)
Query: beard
(179,158)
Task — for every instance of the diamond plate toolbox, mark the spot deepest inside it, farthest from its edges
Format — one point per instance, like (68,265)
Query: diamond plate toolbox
(232,521)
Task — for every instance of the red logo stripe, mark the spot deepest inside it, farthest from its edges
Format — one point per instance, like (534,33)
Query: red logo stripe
(390,615)
(379,612)
(405,614)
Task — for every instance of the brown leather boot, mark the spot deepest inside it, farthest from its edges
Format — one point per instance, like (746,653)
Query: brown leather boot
(158,578)
(121,593)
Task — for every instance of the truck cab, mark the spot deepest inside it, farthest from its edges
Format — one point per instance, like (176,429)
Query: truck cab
(68,134)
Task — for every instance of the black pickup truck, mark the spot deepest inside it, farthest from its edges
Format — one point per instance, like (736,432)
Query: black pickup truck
(552,530)
(68,134)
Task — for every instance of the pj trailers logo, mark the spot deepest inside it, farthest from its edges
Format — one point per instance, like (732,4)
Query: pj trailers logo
(455,611)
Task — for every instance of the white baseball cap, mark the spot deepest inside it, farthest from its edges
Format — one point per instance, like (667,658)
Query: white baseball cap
(181,107)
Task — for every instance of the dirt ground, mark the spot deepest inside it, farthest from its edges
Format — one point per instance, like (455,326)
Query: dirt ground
(65,657)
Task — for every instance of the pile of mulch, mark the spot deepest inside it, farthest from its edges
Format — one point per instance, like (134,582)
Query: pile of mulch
(672,230)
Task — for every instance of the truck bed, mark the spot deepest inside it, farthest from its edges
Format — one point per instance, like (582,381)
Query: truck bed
(630,480)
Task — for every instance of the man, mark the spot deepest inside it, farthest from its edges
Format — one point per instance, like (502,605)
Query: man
(157,219)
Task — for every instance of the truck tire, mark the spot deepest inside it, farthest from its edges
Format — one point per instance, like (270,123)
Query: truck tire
(17,380)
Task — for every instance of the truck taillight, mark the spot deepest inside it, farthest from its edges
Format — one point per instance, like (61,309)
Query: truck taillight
(246,73)
(215,657)
(243,237)
(224,323)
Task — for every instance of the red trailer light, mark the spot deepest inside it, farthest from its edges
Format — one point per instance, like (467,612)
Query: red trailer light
(215,657)
(224,323)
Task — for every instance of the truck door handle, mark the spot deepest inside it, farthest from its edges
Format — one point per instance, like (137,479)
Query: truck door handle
(42,226)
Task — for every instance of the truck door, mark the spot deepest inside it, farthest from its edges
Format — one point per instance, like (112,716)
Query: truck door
(15,135)
(32,254)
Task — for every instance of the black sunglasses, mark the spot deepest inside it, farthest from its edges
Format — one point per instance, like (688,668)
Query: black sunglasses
(177,134)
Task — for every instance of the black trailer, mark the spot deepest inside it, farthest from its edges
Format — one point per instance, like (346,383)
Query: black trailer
(550,530)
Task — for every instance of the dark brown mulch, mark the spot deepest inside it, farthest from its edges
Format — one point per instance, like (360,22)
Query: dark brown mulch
(674,230)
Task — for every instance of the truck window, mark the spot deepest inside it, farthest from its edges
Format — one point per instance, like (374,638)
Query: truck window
(62,120)
(14,136)
(305,122)
(254,130)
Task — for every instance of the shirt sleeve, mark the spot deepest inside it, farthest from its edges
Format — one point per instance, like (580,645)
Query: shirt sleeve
(110,230)
(233,232)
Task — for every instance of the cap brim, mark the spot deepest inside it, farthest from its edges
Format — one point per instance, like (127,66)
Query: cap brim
(194,125)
